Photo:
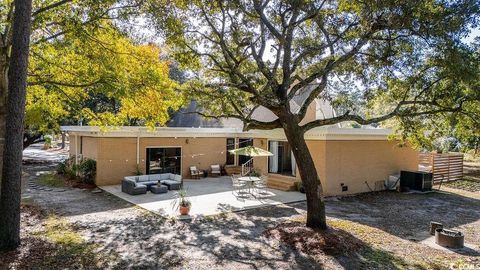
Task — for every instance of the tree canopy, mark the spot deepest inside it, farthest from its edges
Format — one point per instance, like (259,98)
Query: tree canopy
(408,55)
(406,58)
(84,68)
(100,78)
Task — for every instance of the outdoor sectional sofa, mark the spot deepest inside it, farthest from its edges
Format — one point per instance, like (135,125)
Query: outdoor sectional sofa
(136,185)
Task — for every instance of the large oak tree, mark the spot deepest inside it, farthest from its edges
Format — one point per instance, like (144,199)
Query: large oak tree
(247,54)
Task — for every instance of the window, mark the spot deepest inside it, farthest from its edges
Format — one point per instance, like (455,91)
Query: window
(164,160)
(230,146)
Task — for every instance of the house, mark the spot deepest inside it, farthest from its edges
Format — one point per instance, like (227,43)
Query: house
(348,160)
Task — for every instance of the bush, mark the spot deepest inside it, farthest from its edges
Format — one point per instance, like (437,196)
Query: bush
(68,168)
(48,141)
(88,170)
(85,171)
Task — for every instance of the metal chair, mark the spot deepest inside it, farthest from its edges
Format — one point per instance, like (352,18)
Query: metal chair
(215,170)
(195,173)
(261,186)
(238,186)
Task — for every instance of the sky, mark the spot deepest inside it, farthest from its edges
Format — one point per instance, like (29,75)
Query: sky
(475,33)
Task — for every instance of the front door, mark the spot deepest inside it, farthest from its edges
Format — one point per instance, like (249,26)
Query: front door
(164,160)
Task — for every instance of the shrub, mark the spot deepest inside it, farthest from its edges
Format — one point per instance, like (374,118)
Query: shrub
(88,170)
(48,141)
(68,168)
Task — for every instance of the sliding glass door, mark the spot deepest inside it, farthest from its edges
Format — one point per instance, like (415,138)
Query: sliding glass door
(282,161)
(164,160)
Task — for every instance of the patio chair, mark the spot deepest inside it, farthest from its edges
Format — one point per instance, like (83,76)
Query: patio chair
(261,186)
(215,170)
(195,173)
(238,186)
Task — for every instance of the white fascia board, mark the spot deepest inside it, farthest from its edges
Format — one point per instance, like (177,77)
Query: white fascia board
(320,133)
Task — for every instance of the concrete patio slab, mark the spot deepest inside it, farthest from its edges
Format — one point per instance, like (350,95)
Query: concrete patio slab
(209,196)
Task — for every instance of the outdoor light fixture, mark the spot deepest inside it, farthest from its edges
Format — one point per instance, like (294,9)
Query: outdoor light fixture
(187,141)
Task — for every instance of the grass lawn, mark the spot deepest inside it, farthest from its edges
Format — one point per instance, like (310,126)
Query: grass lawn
(51,180)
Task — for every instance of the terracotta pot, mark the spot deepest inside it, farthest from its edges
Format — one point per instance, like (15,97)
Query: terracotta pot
(184,210)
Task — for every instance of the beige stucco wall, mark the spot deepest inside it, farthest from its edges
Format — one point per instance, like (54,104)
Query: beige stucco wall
(117,157)
(261,163)
(72,144)
(89,147)
(85,146)
(354,162)
(348,162)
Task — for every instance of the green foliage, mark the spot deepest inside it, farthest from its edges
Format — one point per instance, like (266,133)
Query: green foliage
(458,83)
(85,171)
(68,168)
(83,68)
(99,76)
(254,173)
(181,200)
(88,170)
(411,52)
(51,180)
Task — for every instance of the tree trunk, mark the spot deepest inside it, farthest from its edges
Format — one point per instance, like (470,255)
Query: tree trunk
(12,166)
(3,100)
(316,217)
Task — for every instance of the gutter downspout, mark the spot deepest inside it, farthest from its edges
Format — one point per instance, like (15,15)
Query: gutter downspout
(138,150)
(76,149)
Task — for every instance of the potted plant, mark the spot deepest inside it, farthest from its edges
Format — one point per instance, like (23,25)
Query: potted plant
(182,203)
(254,173)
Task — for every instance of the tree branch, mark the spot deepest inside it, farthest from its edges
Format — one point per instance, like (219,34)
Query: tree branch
(49,7)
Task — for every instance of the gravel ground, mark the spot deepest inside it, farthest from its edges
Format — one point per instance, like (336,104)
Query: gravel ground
(392,224)
(141,240)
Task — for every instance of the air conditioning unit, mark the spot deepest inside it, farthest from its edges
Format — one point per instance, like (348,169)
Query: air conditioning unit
(416,180)
(392,182)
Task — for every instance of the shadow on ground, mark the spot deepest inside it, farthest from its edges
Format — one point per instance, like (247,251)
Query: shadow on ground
(406,215)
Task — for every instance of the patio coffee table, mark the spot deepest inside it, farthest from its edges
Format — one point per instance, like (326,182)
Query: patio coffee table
(157,189)
(251,181)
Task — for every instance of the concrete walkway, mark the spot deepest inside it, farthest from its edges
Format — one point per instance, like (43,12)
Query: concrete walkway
(35,152)
(209,196)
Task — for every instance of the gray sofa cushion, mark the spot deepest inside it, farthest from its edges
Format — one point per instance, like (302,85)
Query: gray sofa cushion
(154,177)
(130,187)
(142,178)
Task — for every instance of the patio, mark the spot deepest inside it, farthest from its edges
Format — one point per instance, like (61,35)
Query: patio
(209,196)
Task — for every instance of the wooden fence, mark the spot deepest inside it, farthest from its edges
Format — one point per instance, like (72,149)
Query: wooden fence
(445,166)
